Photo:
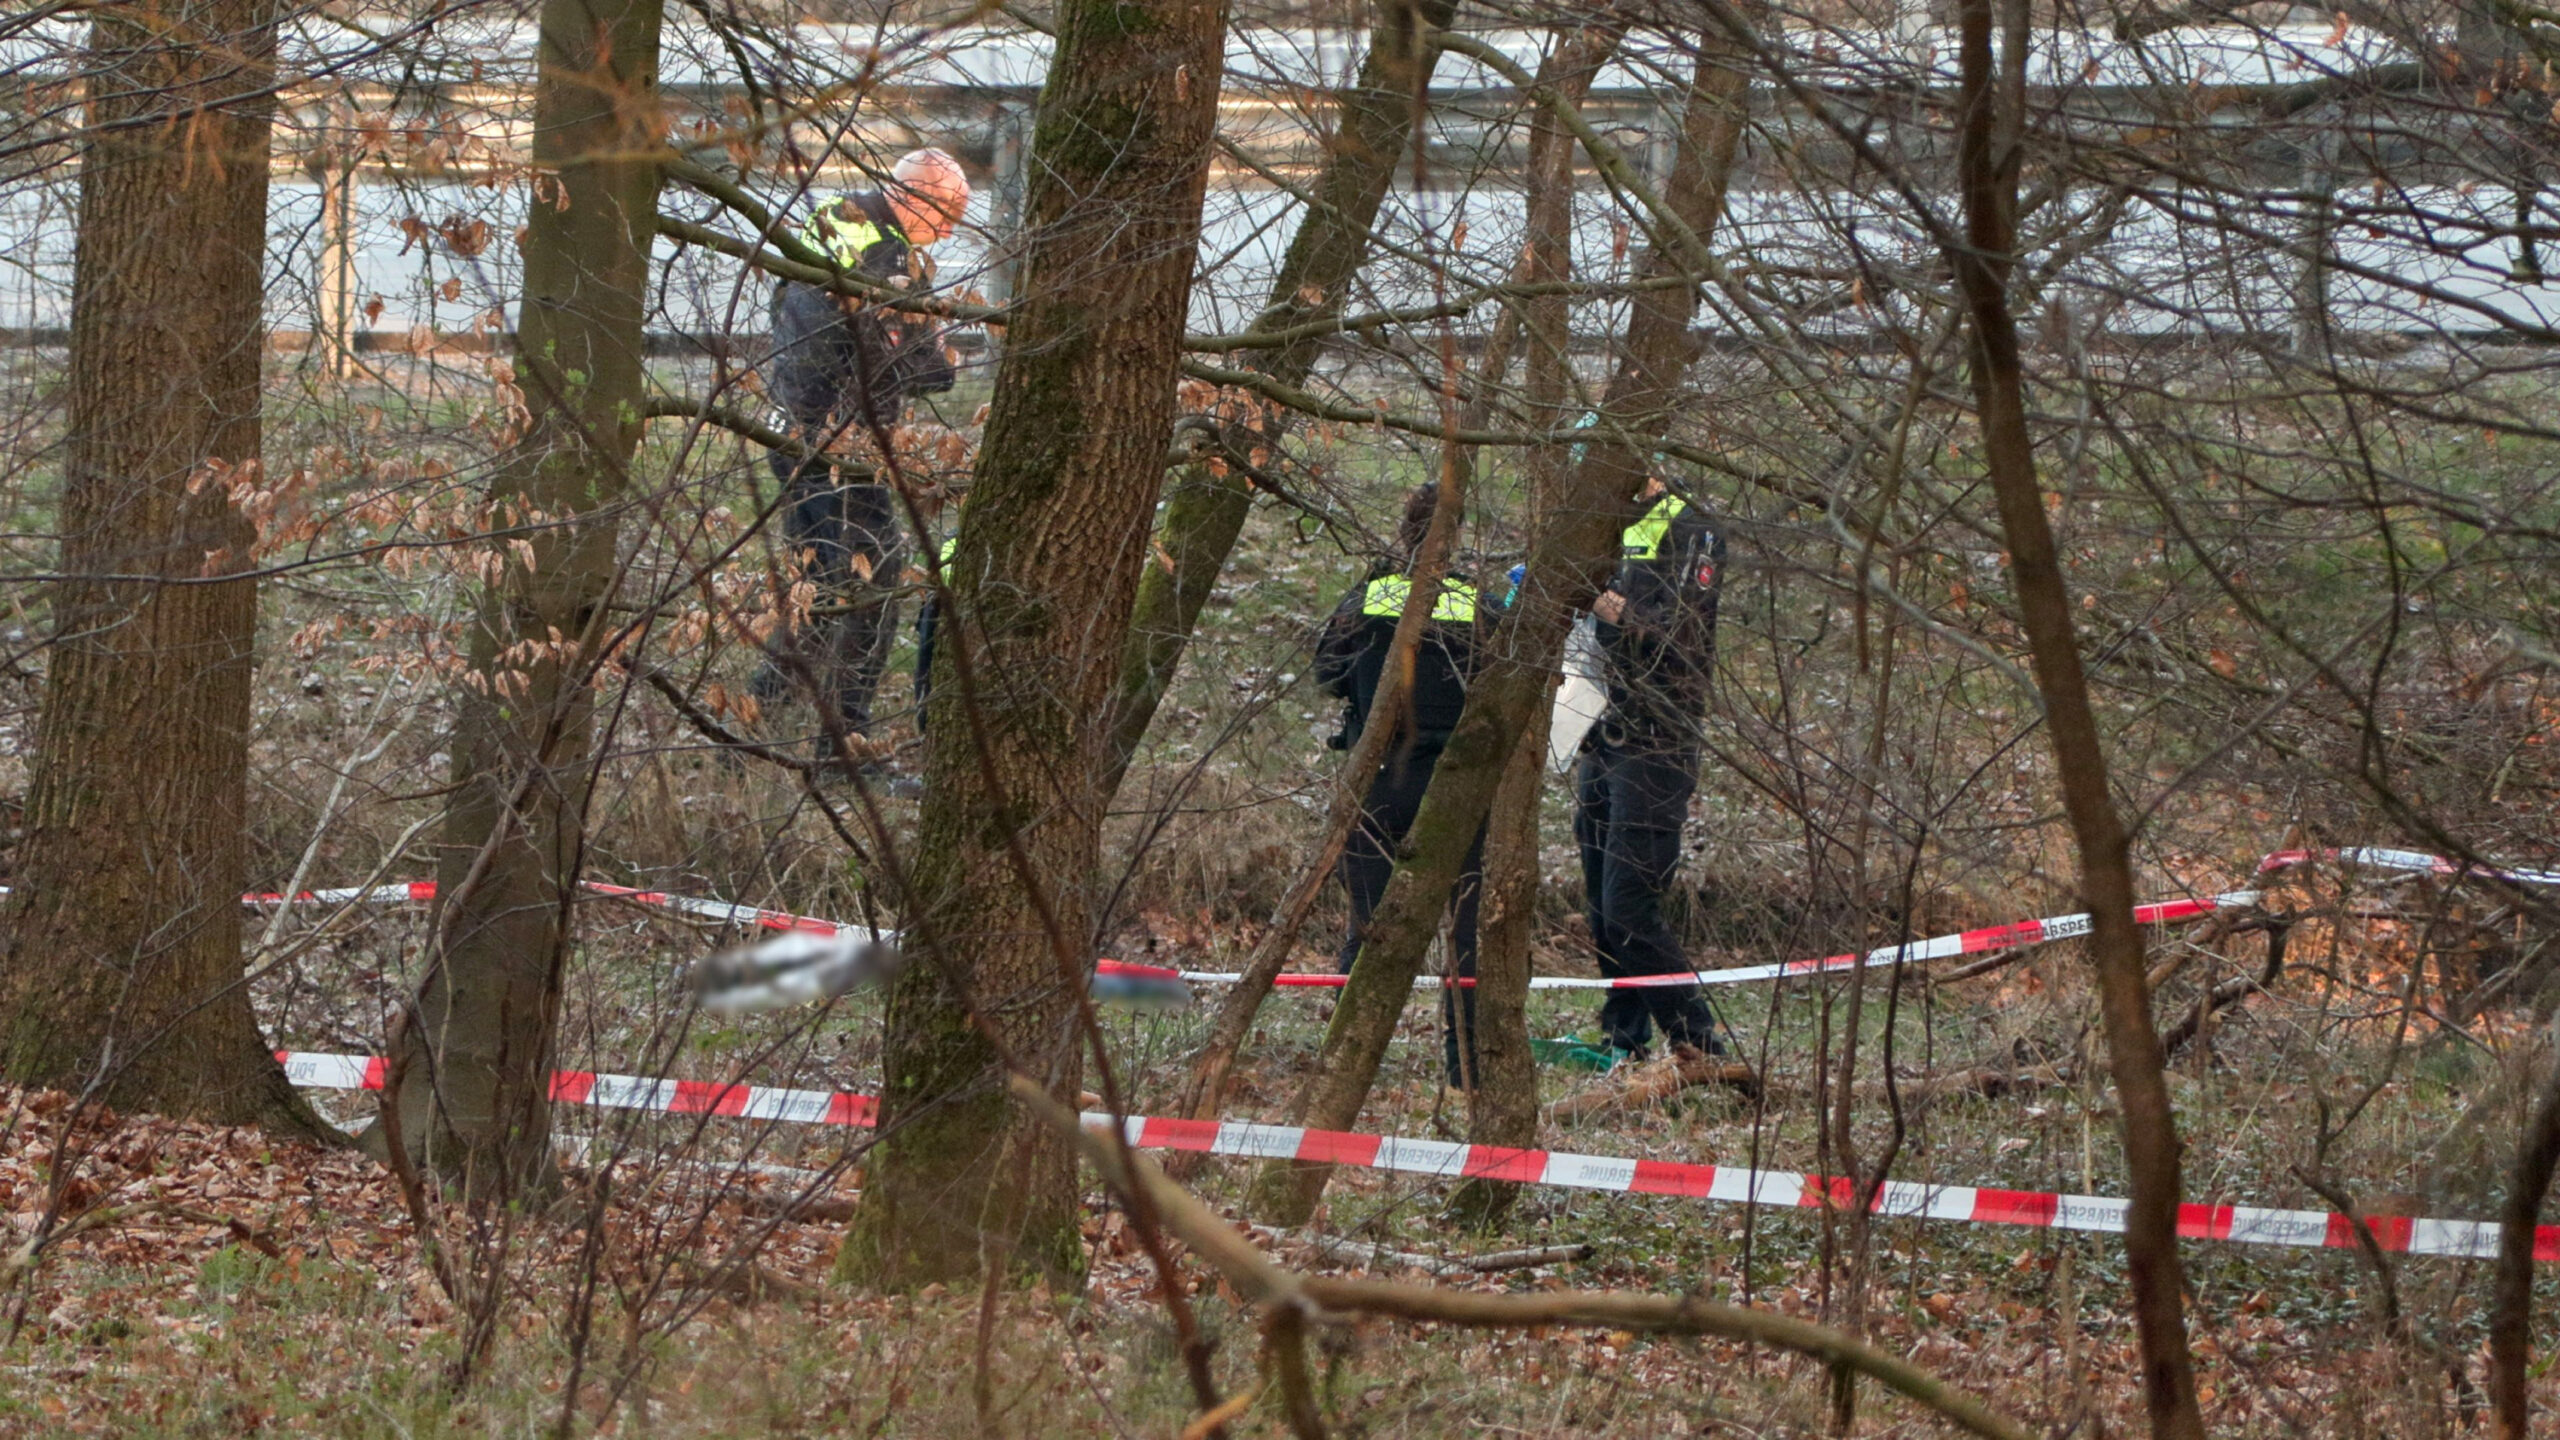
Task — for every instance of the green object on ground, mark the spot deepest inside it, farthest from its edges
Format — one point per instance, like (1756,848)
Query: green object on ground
(1576,1054)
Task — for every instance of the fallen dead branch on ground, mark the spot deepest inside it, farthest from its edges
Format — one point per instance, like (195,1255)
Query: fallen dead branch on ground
(2228,993)
(1658,1080)
(1655,1081)
(1376,1256)
(1986,1084)
(1291,1300)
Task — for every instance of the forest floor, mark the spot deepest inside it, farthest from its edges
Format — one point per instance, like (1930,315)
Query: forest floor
(197,1281)
(165,1279)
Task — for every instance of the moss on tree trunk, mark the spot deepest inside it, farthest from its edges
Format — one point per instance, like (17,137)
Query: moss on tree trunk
(1041,587)
(122,959)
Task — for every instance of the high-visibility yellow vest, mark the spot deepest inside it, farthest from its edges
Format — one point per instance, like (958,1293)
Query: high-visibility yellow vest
(842,232)
(1643,540)
(1386,595)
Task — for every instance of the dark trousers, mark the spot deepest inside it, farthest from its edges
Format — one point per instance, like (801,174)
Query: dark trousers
(1369,862)
(1629,804)
(857,558)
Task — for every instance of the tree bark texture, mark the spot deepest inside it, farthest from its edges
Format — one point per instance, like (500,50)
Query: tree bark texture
(478,1050)
(1570,560)
(1502,1108)
(2511,1304)
(123,959)
(1207,511)
(1987,159)
(1041,588)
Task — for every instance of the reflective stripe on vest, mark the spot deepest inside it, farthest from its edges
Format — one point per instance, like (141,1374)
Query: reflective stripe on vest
(1643,540)
(842,231)
(1386,596)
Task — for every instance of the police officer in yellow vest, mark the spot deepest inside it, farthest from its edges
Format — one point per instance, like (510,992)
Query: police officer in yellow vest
(1639,766)
(1351,655)
(843,369)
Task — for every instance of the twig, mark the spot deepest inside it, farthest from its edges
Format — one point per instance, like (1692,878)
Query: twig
(99,1217)
(329,814)
(709,724)
(1264,1283)
(1363,1252)
(2395,1321)
(798,1209)
(1498,1260)
(741,1278)
(1999,960)
(2228,993)
(1359,1252)
(1285,1332)
(2537,1156)
(1214,1065)
(1989,1084)
(1212,1422)
(396,1156)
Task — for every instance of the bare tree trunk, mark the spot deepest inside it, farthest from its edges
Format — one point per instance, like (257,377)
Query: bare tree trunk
(2511,1309)
(122,932)
(1207,510)
(1214,1064)
(1215,1061)
(1041,590)
(1502,1105)
(1570,560)
(1987,157)
(478,1050)
(1502,1108)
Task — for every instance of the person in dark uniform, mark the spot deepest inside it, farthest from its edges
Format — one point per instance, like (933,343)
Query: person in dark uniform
(1639,766)
(843,370)
(1351,657)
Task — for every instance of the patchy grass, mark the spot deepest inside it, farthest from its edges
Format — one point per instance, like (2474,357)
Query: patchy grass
(277,1288)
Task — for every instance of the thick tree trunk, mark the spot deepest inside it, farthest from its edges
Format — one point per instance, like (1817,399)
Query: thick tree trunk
(477,1051)
(123,928)
(1569,562)
(1041,589)
(1987,159)
(1502,1109)
(1207,511)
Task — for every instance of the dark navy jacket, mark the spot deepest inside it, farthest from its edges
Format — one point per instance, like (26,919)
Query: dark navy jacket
(1657,659)
(1351,655)
(838,362)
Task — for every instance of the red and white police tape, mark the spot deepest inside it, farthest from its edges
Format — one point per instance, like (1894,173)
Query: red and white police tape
(1969,942)
(2415,860)
(424,890)
(1939,947)
(1440,1159)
